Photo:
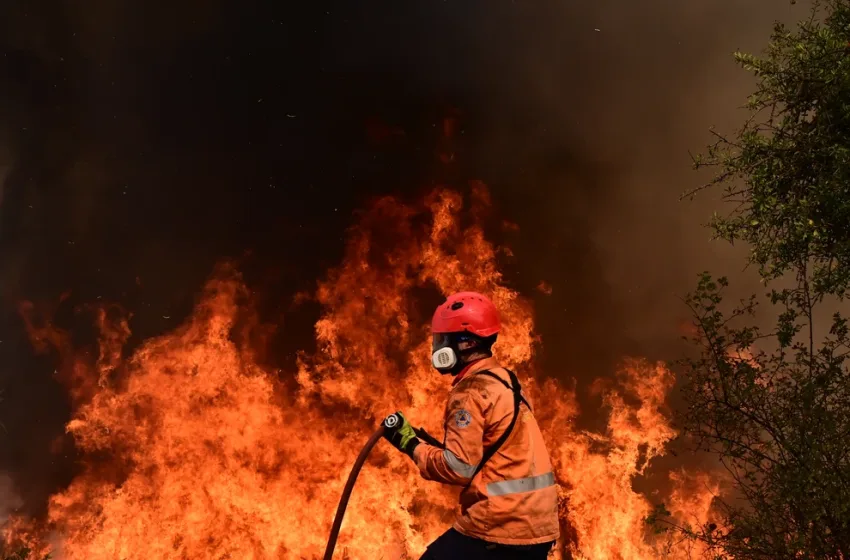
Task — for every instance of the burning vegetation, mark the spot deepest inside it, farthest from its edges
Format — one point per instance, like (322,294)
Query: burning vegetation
(193,447)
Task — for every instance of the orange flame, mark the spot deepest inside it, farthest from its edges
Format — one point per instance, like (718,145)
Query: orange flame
(195,450)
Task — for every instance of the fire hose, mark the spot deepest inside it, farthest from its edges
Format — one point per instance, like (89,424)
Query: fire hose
(389,422)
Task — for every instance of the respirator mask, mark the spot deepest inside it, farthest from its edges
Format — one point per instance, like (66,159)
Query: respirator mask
(450,350)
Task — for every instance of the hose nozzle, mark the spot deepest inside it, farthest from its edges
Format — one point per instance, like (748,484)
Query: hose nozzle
(392,421)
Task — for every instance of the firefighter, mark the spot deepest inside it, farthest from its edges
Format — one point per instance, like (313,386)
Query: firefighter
(492,447)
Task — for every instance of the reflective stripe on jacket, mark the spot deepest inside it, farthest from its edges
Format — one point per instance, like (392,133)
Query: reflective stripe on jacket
(513,499)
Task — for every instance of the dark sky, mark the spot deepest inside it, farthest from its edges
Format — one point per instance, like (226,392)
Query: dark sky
(149,140)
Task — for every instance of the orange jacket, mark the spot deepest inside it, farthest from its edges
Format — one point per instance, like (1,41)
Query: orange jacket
(513,499)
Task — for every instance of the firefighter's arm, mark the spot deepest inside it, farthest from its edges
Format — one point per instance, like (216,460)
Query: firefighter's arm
(464,444)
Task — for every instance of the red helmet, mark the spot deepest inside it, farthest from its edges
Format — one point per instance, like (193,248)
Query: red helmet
(467,311)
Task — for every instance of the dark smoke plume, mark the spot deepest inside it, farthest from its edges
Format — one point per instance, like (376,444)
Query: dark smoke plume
(143,142)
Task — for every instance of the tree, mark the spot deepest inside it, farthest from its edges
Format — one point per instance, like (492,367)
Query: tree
(774,404)
(787,171)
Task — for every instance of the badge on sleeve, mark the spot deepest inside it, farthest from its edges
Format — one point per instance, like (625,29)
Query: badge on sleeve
(463,418)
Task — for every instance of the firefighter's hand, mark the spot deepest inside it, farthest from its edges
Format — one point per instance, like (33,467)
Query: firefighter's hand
(399,432)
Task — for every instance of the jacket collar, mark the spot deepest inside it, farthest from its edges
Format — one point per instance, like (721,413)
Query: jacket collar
(475,367)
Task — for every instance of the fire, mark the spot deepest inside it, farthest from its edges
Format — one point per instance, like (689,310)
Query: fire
(195,449)
(607,514)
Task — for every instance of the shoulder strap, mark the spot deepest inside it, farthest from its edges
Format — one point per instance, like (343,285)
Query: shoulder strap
(516,389)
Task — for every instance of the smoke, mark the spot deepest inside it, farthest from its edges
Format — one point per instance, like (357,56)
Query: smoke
(5,160)
(150,141)
(579,115)
(9,499)
(626,90)
(4,170)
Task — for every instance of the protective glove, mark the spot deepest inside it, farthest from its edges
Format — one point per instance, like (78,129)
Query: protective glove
(399,432)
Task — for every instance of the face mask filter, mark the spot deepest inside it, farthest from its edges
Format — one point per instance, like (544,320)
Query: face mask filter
(444,359)
(450,352)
